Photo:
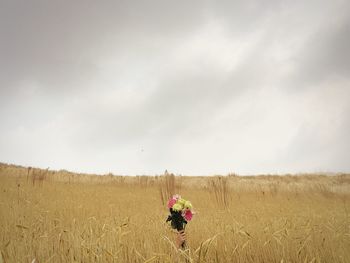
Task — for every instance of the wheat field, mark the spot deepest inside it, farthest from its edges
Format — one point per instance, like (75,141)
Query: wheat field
(58,216)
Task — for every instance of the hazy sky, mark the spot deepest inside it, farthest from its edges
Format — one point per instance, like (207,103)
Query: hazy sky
(195,87)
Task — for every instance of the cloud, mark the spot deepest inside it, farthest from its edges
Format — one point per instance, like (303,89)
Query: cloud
(324,54)
(194,87)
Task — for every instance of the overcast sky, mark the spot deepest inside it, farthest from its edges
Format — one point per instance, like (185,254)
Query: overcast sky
(195,87)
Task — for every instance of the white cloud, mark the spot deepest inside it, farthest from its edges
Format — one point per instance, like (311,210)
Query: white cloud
(195,88)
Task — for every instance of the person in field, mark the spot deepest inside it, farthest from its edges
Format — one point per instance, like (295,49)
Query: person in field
(180,214)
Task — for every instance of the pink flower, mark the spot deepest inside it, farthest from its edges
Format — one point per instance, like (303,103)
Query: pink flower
(188,215)
(177,197)
(171,202)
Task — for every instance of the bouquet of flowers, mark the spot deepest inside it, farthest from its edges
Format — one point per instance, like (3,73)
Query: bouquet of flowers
(180,213)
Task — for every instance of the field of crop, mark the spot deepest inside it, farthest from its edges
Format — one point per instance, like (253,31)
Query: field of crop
(48,216)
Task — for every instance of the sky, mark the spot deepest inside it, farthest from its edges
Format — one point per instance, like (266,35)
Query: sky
(194,87)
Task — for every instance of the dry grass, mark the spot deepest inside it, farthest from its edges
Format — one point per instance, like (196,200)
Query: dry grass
(219,187)
(166,186)
(87,218)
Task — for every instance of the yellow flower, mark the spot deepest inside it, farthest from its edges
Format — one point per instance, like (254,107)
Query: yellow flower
(177,207)
(181,201)
(188,205)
